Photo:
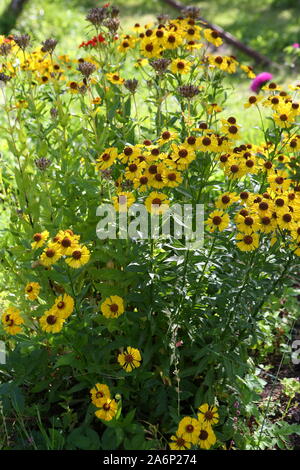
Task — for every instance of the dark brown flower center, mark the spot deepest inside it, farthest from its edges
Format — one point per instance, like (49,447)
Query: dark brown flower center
(217,220)
(76,254)
(128,358)
(66,242)
(51,319)
(203,435)
(37,237)
(248,239)
(50,253)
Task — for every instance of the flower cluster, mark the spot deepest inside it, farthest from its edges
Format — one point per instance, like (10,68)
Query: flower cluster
(53,319)
(198,431)
(64,244)
(101,398)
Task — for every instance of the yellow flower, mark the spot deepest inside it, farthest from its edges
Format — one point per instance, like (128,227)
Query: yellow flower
(208,414)
(32,290)
(226,200)
(123,201)
(39,239)
(107,410)
(115,78)
(79,257)
(189,429)
(99,393)
(112,307)
(157,203)
(179,443)
(206,438)
(180,66)
(64,306)
(107,158)
(150,48)
(50,255)
(247,242)
(130,359)
(11,320)
(213,37)
(51,322)
(217,220)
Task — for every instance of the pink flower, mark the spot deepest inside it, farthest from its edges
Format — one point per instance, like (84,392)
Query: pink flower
(179,343)
(296,45)
(260,80)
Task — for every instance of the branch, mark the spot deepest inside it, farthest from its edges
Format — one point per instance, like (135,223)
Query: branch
(229,38)
(9,17)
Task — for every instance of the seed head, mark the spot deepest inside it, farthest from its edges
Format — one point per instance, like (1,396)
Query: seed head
(160,65)
(22,40)
(4,78)
(112,24)
(131,85)
(49,45)
(5,48)
(163,19)
(86,68)
(54,113)
(96,16)
(188,91)
(42,163)
(191,12)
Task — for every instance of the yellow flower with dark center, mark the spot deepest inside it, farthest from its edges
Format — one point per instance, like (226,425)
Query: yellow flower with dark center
(100,393)
(107,410)
(172,40)
(141,183)
(180,66)
(226,200)
(279,181)
(248,224)
(189,429)
(284,117)
(285,220)
(267,224)
(217,220)
(112,307)
(123,201)
(248,70)
(130,359)
(182,156)
(150,48)
(115,78)
(179,443)
(206,437)
(39,239)
(79,257)
(157,203)
(213,37)
(167,136)
(12,321)
(172,178)
(247,242)
(74,87)
(51,322)
(208,414)
(106,159)
(32,290)
(64,306)
(295,233)
(50,255)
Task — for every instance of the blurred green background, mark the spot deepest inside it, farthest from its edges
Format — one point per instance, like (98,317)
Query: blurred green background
(268,26)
